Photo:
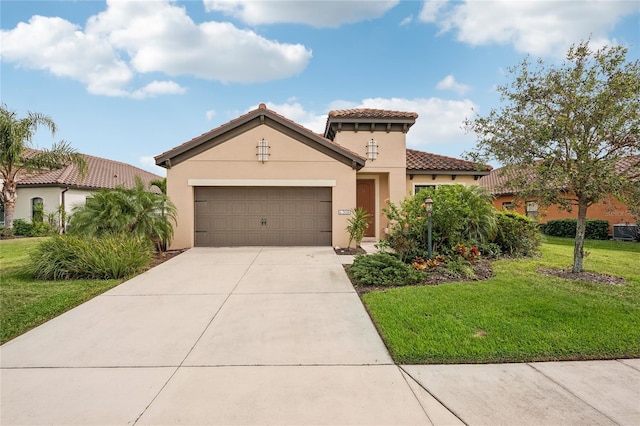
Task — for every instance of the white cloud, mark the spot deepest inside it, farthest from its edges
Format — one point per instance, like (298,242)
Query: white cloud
(407,20)
(156,88)
(210,114)
(450,83)
(309,12)
(149,163)
(537,27)
(141,37)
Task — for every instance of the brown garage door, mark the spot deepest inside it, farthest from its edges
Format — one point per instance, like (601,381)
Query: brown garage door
(262,216)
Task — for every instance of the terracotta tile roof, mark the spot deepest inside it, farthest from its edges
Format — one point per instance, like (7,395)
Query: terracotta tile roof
(101,173)
(418,160)
(262,108)
(371,113)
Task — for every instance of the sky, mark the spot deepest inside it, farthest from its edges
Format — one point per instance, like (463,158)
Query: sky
(129,80)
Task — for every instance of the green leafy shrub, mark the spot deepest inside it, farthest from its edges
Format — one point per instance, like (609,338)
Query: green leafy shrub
(22,228)
(461,215)
(458,267)
(40,229)
(72,257)
(383,269)
(517,235)
(358,225)
(490,250)
(595,229)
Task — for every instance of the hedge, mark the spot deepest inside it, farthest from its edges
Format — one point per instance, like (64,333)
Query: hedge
(596,229)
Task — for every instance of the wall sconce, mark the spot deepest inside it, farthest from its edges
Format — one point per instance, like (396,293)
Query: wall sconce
(263,151)
(372,150)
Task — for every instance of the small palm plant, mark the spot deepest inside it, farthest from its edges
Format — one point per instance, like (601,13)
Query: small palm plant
(358,225)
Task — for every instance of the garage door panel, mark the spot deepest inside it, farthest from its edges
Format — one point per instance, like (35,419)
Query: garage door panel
(239,216)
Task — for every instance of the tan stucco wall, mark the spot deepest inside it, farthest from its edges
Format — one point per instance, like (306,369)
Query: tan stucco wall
(439,180)
(236,160)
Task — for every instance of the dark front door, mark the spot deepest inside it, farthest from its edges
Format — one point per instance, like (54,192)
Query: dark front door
(366,199)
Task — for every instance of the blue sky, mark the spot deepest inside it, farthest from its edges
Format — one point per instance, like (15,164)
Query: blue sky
(128,80)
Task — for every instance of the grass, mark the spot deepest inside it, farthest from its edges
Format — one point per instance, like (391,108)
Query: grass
(518,315)
(25,302)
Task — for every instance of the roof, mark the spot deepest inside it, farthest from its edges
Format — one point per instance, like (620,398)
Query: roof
(496,181)
(373,119)
(372,113)
(424,161)
(261,115)
(101,173)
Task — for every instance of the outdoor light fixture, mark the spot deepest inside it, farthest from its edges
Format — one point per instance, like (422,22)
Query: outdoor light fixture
(372,150)
(263,151)
(428,206)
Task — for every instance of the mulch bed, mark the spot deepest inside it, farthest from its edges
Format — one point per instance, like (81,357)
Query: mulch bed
(590,277)
(159,258)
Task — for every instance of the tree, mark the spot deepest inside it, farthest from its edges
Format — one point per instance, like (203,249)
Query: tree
(134,211)
(16,157)
(569,134)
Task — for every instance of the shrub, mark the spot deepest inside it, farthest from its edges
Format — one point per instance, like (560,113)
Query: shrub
(22,228)
(6,233)
(461,215)
(383,269)
(458,267)
(71,257)
(517,234)
(491,250)
(595,229)
(358,225)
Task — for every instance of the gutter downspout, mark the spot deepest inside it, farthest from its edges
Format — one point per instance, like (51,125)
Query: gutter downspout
(63,213)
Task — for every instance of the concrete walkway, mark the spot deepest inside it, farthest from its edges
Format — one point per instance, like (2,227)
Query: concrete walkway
(273,336)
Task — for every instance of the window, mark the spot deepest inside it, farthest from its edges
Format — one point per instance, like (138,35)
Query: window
(508,205)
(532,209)
(418,188)
(37,210)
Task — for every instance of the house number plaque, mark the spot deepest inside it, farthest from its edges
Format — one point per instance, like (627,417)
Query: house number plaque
(344,212)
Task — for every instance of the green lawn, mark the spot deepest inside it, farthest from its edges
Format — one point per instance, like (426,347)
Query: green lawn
(26,303)
(519,315)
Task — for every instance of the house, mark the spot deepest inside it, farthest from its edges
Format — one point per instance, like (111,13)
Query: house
(262,179)
(610,209)
(64,187)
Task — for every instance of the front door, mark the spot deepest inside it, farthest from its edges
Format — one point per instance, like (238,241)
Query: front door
(366,199)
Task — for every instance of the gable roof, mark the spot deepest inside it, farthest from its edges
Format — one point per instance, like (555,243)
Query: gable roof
(369,118)
(419,162)
(261,115)
(101,173)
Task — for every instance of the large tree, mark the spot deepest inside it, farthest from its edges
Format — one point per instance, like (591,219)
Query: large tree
(568,134)
(17,157)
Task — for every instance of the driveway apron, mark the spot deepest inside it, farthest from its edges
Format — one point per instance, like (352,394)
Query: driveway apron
(215,336)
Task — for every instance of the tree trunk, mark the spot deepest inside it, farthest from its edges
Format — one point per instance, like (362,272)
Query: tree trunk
(9,196)
(578,247)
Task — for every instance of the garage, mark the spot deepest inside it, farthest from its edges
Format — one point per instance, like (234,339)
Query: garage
(262,216)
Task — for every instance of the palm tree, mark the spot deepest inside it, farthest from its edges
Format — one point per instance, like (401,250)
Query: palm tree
(134,211)
(16,135)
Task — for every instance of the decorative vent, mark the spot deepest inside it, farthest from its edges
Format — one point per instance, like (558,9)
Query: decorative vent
(372,150)
(263,151)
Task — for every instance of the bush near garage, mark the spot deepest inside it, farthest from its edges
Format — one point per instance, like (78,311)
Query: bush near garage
(108,257)
(383,269)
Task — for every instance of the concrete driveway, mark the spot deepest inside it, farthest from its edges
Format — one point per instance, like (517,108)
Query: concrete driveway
(272,336)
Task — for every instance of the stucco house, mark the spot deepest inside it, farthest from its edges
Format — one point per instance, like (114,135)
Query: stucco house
(64,187)
(262,179)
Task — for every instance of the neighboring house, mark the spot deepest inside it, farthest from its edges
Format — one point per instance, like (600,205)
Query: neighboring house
(64,187)
(262,179)
(610,209)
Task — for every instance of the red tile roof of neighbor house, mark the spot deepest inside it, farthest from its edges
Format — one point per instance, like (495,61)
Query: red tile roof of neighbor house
(496,181)
(371,113)
(418,160)
(101,173)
